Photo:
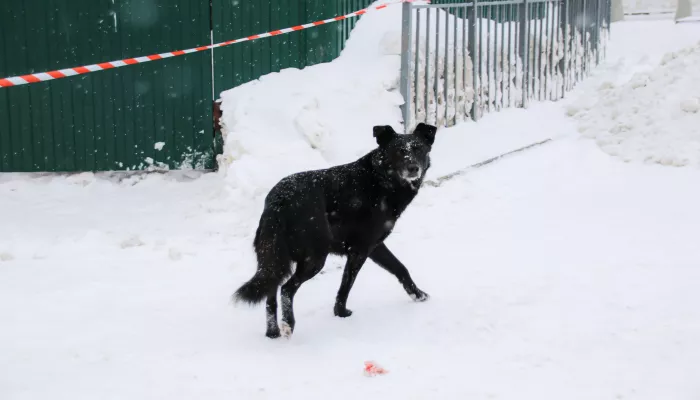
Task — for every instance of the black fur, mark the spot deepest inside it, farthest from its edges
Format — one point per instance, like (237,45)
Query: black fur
(347,210)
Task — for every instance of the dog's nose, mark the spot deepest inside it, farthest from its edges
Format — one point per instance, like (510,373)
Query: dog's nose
(412,169)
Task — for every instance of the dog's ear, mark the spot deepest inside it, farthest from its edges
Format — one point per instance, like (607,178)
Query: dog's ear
(384,134)
(425,132)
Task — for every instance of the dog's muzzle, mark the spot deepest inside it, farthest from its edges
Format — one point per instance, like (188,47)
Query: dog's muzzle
(412,172)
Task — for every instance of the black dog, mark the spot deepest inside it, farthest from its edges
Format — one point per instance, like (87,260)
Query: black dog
(347,210)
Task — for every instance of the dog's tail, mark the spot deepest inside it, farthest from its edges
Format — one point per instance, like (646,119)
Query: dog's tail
(274,262)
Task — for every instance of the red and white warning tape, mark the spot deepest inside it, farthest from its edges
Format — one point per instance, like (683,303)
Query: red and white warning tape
(63,73)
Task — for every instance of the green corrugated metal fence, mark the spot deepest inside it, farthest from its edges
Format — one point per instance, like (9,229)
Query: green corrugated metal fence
(112,120)
(107,120)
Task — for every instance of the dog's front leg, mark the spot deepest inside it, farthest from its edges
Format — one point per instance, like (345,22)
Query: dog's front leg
(385,259)
(352,267)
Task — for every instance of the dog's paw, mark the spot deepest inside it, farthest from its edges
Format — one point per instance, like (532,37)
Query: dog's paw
(273,333)
(419,295)
(286,330)
(342,312)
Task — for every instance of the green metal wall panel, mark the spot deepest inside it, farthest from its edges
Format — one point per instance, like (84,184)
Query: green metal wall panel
(107,120)
(111,120)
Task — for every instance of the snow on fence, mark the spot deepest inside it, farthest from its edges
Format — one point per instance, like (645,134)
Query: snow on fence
(512,52)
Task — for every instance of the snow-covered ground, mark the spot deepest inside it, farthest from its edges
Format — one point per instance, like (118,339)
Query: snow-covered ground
(556,273)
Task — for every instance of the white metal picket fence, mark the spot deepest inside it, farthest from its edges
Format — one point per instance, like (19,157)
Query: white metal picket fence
(463,60)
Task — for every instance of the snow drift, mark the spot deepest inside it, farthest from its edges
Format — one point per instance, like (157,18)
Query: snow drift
(303,119)
(652,118)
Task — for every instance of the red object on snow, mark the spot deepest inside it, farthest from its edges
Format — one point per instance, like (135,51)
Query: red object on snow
(373,369)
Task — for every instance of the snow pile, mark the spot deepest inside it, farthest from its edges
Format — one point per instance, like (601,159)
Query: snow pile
(653,118)
(312,118)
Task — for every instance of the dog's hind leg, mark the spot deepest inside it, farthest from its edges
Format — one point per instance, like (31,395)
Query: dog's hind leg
(273,330)
(305,270)
(385,259)
(352,268)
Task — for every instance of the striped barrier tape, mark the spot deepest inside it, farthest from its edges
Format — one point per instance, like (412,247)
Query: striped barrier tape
(63,73)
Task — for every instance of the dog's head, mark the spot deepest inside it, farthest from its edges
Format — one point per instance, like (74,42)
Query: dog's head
(404,158)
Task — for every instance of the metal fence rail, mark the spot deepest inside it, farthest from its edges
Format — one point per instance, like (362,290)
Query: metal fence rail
(462,60)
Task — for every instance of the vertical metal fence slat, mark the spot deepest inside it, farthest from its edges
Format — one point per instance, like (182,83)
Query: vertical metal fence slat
(571,39)
(536,47)
(538,27)
(608,11)
(547,50)
(496,38)
(473,53)
(446,77)
(488,58)
(575,47)
(465,21)
(597,32)
(509,18)
(560,51)
(416,64)
(501,20)
(534,10)
(529,43)
(516,49)
(552,37)
(494,19)
(524,50)
(553,48)
(540,75)
(480,44)
(454,63)
(529,48)
(557,24)
(565,40)
(506,48)
(437,66)
(554,89)
(582,35)
(571,33)
(537,56)
(405,82)
(578,64)
(427,65)
(584,39)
